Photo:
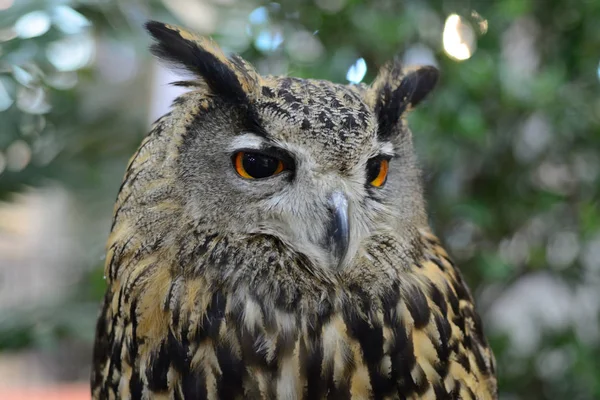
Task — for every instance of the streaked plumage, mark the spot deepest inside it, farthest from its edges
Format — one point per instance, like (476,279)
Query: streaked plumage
(220,287)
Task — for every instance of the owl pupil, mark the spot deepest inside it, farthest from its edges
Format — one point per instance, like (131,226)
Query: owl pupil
(259,165)
(373,169)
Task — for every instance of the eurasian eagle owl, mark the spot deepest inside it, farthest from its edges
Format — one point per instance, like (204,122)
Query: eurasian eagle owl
(270,240)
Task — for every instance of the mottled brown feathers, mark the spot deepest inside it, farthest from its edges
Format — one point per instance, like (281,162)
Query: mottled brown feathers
(222,288)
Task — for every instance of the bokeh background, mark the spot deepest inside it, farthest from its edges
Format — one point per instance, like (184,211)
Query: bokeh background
(509,143)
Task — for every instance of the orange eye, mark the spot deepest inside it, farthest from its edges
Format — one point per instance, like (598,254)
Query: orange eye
(256,165)
(377,171)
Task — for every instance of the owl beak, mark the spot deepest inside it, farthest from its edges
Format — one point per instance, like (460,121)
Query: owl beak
(339,229)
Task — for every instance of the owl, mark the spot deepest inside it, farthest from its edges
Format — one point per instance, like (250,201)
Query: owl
(270,241)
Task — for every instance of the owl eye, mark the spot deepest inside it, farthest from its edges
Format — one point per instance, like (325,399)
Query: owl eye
(256,165)
(377,171)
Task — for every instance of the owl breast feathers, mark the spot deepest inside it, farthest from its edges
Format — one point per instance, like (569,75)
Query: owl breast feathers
(270,240)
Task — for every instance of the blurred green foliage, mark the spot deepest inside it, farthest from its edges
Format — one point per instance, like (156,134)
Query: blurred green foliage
(509,144)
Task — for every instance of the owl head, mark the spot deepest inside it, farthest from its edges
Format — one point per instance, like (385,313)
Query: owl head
(320,166)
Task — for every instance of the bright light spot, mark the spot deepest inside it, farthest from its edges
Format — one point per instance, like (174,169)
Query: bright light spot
(419,54)
(562,249)
(5,99)
(33,24)
(268,40)
(22,76)
(482,22)
(68,20)
(70,53)
(303,47)
(598,70)
(62,80)
(458,38)
(258,16)
(18,155)
(32,100)
(357,71)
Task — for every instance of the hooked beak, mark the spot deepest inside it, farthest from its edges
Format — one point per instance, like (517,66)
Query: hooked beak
(339,229)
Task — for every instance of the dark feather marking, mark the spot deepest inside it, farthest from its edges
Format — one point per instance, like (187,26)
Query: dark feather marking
(158,368)
(462,292)
(131,179)
(135,385)
(369,334)
(455,393)
(267,92)
(193,384)
(401,351)
(316,385)
(463,360)
(388,112)
(185,84)
(416,302)
(471,393)
(340,391)
(289,98)
(460,288)
(479,359)
(169,296)
(305,124)
(449,261)
(440,391)
(213,317)
(275,109)
(442,348)
(115,357)
(403,359)
(286,82)
(438,262)
(445,332)
(392,103)
(130,286)
(116,258)
(253,351)
(205,240)
(451,297)
(478,327)
(325,120)
(230,383)
(424,80)
(132,343)
(178,351)
(438,298)
(101,346)
(122,204)
(422,384)
(466,341)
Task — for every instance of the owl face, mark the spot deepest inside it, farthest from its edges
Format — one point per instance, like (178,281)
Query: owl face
(321,166)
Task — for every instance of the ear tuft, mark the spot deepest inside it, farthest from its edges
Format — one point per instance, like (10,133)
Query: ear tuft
(233,79)
(395,92)
(420,82)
